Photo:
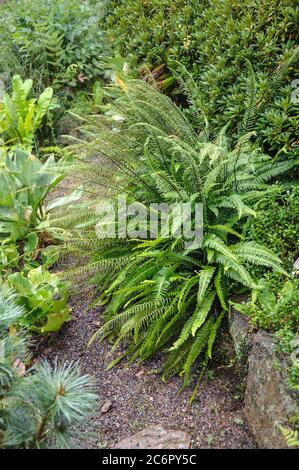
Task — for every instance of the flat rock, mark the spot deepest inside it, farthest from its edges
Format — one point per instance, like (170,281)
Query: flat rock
(106,406)
(156,437)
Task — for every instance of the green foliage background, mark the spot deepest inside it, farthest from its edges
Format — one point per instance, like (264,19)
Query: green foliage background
(277,224)
(52,41)
(213,39)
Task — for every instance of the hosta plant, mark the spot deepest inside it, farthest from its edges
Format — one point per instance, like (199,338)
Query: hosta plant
(44,297)
(25,183)
(160,294)
(25,228)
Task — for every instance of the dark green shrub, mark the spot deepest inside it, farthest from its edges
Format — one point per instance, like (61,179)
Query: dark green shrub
(277,224)
(213,39)
(57,43)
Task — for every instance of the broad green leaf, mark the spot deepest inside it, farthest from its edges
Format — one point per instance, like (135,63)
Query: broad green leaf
(65,201)
(31,242)
(8,189)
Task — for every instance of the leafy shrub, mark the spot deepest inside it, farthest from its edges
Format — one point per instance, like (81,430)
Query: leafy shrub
(57,43)
(25,228)
(44,297)
(276,224)
(41,406)
(275,306)
(214,40)
(24,213)
(20,117)
(162,295)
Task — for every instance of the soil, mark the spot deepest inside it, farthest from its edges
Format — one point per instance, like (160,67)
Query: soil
(138,397)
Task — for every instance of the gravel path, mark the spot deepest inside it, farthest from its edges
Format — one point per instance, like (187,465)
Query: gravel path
(139,397)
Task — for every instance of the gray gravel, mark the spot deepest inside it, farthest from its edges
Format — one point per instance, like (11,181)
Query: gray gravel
(139,397)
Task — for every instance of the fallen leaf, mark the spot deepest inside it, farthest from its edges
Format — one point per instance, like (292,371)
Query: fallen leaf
(106,406)
(140,373)
(120,82)
(81,78)
(12,330)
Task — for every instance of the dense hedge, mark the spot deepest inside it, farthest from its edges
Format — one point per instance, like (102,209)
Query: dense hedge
(277,225)
(212,39)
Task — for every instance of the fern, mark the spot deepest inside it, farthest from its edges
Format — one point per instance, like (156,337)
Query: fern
(254,101)
(250,102)
(291,436)
(163,296)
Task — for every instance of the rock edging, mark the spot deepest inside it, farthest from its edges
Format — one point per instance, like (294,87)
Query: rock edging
(269,403)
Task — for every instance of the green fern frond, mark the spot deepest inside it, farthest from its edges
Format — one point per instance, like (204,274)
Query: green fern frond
(202,311)
(198,346)
(250,101)
(213,332)
(219,289)
(277,78)
(254,253)
(291,436)
(204,278)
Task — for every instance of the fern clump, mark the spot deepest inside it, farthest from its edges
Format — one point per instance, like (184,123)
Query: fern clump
(162,295)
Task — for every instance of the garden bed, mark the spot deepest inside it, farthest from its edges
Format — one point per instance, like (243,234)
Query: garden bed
(140,398)
(270,403)
(148,175)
